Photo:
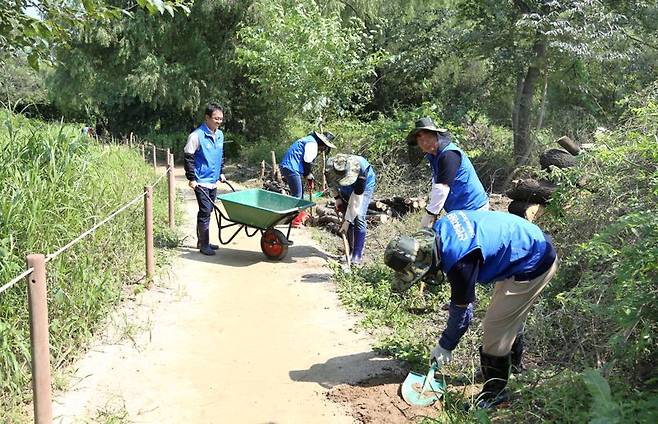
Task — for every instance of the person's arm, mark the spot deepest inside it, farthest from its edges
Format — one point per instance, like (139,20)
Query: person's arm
(443,178)
(310,153)
(462,277)
(190,149)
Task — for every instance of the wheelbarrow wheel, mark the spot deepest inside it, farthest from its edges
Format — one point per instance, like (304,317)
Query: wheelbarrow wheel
(274,244)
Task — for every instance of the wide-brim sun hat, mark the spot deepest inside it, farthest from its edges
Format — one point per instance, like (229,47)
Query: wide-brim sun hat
(326,137)
(343,169)
(424,124)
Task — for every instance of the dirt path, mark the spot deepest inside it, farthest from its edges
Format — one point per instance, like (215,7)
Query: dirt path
(232,338)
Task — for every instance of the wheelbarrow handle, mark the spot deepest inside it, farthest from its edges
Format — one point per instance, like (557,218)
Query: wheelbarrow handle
(228,184)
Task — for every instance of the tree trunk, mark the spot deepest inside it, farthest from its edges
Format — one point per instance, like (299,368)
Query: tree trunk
(522,141)
(542,107)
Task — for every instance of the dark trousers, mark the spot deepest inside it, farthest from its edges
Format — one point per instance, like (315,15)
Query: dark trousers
(294,182)
(205,207)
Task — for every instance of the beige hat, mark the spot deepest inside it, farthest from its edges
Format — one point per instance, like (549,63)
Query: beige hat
(343,169)
(326,137)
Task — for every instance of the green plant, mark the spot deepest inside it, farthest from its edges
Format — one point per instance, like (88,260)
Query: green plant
(56,184)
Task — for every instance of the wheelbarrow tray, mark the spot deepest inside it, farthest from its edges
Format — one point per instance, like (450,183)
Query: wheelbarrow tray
(261,209)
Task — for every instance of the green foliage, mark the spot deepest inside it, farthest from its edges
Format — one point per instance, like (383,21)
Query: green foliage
(604,409)
(305,61)
(35,27)
(57,183)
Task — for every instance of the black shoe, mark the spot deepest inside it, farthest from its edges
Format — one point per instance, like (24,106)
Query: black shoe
(212,246)
(207,250)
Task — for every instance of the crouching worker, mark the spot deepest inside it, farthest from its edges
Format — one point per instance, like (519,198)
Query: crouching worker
(485,247)
(353,180)
(204,159)
(298,162)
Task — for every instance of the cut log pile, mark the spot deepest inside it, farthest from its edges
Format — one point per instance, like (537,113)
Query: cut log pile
(379,212)
(529,195)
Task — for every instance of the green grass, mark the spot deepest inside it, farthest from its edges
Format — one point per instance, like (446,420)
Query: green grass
(591,337)
(56,184)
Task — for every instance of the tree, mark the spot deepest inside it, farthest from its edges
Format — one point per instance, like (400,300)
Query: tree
(35,26)
(305,62)
(521,37)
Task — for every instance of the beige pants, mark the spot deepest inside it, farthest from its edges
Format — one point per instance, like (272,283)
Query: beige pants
(509,309)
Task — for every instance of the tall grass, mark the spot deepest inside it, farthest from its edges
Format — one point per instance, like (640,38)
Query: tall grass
(54,184)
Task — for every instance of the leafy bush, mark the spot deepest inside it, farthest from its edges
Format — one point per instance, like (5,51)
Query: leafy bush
(56,184)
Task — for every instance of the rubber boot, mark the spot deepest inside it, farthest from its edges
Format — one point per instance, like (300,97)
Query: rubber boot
(299,219)
(359,243)
(517,355)
(495,370)
(198,241)
(204,236)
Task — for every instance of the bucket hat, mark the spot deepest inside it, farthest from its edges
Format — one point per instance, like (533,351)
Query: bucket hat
(411,257)
(424,124)
(343,169)
(326,137)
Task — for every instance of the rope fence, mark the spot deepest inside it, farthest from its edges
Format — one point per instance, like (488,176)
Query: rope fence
(35,276)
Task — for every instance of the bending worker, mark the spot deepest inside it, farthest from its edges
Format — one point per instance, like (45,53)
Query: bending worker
(486,247)
(353,180)
(455,185)
(298,162)
(204,159)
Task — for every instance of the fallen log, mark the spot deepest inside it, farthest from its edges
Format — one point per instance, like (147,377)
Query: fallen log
(569,145)
(531,191)
(529,211)
(378,218)
(556,157)
(327,219)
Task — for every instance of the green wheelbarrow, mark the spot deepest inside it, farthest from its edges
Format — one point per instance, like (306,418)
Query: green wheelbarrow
(259,211)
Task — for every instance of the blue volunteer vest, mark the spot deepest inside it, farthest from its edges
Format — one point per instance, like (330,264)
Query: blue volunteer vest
(510,245)
(294,157)
(208,157)
(466,192)
(371,179)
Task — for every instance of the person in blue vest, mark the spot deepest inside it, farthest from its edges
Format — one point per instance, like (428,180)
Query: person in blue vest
(298,163)
(353,180)
(204,159)
(486,247)
(455,185)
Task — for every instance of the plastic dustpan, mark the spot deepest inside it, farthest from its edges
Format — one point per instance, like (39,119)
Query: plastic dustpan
(422,390)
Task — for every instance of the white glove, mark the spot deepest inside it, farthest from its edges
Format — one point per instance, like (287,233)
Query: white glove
(222,178)
(441,356)
(428,220)
(344,227)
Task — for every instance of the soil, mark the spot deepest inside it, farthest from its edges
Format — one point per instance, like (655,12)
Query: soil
(378,400)
(234,338)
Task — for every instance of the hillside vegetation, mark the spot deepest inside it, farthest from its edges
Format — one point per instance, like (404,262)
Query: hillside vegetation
(57,183)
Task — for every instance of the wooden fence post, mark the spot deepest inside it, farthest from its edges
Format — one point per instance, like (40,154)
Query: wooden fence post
(172,188)
(141,148)
(148,233)
(276,174)
(36,283)
(155,164)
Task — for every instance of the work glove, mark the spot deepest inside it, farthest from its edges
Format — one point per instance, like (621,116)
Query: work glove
(310,182)
(344,227)
(222,178)
(192,184)
(428,220)
(441,356)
